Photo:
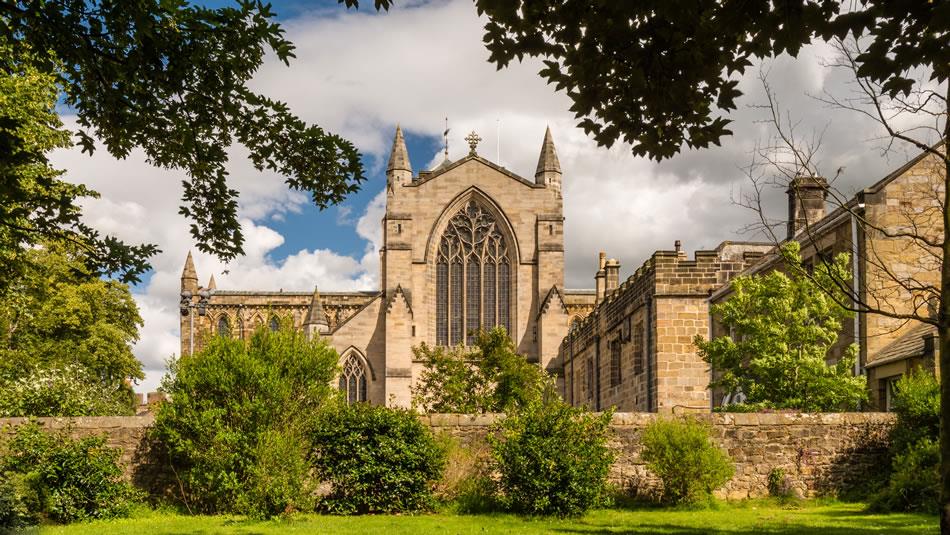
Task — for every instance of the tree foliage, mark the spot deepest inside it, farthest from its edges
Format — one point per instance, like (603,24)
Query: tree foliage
(237,424)
(66,339)
(660,75)
(36,206)
(170,78)
(489,377)
(782,329)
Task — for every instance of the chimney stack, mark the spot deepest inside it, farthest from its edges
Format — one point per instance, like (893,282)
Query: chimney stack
(806,202)
(600,278)
(612,271)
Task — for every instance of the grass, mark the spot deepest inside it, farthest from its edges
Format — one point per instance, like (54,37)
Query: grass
(765,517)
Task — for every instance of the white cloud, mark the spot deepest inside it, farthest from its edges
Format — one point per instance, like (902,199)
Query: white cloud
(358,74)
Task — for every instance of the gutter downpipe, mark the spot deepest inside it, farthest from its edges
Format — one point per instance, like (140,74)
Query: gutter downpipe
(855,288)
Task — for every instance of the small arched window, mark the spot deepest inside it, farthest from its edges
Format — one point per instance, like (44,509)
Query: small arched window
(224,327)
(274,323)
(353,379)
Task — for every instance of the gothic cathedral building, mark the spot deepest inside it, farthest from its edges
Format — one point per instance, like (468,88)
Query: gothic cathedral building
(468,245)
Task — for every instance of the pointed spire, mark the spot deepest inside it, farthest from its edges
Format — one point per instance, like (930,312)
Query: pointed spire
(548,161)
(189,276)
(399,158)
(316,316)
(211,284)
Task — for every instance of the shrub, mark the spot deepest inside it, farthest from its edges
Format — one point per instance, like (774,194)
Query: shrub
(914,480)
(917,405)
(552,459)
(914,484)
(51,476)
(681,453)
(780,485)
(376,460)
(238,421)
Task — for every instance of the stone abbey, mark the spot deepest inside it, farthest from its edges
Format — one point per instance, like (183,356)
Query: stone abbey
(471,245)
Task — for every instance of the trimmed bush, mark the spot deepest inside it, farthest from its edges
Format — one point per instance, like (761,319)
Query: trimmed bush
(238,422)
(51,476)
(681,453)
(376,460)
(552,459)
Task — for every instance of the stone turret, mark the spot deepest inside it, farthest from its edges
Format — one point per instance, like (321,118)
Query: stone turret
(189,277)
(399,170)
(549,168)
(316,322)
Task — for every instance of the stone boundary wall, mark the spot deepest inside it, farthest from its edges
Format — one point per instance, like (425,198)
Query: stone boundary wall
(820,453)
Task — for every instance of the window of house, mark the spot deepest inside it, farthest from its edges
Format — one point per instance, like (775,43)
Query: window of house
(615,354)
(274,323)
(472,277)
(639,353)
(353,379)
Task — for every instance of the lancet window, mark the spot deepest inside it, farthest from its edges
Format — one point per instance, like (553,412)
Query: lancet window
(353,379)
(224,327)
(473,277)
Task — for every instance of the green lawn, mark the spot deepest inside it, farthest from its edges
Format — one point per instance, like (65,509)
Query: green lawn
(749,517)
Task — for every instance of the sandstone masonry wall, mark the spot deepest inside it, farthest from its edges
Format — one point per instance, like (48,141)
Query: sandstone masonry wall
(821,453)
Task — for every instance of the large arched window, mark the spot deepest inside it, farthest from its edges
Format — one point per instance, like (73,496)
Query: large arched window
(473,277)
(224,327)
(353,379)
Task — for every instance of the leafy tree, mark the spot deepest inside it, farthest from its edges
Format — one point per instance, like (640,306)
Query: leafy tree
(239,418)
(58,318)
(171,78)
(490,377)
(660,75)
(782,328)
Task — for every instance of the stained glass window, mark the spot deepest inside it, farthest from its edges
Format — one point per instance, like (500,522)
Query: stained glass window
(353,379)
(274,323)
(224,327)
(473,280)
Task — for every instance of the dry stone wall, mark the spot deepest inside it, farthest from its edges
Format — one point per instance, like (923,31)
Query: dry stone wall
(820,453)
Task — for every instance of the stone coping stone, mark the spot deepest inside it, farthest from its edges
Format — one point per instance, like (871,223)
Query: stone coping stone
(619,419)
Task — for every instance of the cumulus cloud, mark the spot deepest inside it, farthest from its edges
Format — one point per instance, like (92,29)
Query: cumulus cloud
(416,65)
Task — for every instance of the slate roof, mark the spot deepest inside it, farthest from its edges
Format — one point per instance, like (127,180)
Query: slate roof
(910,344)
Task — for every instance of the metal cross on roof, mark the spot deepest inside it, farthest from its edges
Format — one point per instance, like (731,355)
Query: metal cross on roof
(473,140)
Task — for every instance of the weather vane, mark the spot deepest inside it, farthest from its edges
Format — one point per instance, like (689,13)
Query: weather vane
(473,140)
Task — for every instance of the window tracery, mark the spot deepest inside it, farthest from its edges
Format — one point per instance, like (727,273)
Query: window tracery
(353,379)
(473,277)
(224,327)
